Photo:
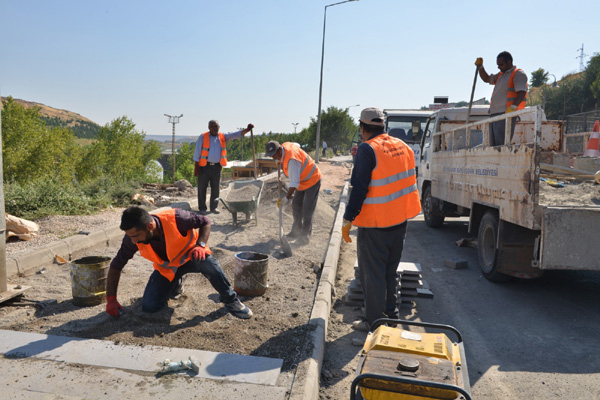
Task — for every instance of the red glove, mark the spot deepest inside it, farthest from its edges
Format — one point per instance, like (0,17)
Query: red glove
(250,126)
(198,253)
(196,169)
(113,307)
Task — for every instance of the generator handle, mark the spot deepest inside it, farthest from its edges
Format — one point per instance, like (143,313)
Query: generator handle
(382,321)
(409,381)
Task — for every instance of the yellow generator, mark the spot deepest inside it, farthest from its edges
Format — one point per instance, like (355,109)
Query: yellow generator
(401,364)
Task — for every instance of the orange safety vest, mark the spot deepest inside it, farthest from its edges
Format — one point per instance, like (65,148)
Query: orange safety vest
(392,196)
(178,246)
(206,145)
(511,94)
(309,172)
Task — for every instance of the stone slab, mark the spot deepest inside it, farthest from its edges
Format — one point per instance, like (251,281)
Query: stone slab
(106,354)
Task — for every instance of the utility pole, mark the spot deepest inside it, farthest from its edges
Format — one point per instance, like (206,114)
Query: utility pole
(173,120)
(581,56)
(295,125)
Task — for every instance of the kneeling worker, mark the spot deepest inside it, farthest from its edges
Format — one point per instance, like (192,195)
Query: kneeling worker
(175,241)
(305,183)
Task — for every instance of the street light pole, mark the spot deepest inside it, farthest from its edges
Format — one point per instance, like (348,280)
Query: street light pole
(295,125)
(321,81)
(173,120)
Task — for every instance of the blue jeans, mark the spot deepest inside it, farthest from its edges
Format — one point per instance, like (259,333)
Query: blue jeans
(158,289)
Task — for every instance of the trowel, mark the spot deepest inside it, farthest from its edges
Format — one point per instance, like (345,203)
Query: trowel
(285,245)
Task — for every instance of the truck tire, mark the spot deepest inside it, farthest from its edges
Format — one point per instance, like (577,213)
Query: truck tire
(433,219)
(486,248)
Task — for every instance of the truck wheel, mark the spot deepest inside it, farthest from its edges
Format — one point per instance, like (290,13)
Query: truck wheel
(433,219)
(486,248)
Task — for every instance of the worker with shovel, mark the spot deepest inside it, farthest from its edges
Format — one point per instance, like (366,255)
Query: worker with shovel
(509,94)
(384,197)
(175,241)
(305,183)
(210,157)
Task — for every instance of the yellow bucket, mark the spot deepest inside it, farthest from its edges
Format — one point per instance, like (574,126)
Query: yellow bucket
(88,280)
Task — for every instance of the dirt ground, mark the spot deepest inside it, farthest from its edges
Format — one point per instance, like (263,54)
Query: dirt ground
(574,193)
(196,320)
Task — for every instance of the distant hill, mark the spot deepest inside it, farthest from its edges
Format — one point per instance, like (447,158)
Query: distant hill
(81,126)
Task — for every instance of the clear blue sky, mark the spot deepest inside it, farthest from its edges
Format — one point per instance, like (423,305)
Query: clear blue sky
(259,61)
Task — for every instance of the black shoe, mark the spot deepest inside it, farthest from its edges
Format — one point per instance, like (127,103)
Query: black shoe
(215,211)
(203,212)
(292,236)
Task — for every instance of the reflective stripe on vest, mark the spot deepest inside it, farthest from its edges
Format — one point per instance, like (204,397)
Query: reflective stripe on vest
(511,94)
(205,147)
(177,246)
(309,172)
(392,195)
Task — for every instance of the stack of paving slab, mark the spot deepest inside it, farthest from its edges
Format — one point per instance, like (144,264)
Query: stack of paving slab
(410,286)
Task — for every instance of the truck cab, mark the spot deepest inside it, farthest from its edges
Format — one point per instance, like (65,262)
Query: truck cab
(408,126)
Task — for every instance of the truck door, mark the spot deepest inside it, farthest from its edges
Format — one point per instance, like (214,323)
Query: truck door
(424,171)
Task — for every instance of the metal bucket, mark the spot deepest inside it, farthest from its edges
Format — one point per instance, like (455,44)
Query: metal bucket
(88,280)
(250,273)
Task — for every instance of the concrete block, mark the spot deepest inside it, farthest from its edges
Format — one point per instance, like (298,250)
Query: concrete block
(456,263)
(591,164)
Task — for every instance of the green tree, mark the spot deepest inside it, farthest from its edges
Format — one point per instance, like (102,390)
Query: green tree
(33,151)
(185,163)
(337,129)
(539,77)
(592,81)
(120,152)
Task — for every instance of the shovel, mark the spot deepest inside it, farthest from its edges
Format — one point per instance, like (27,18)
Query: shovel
(253,153)
(285,245)
(472,93)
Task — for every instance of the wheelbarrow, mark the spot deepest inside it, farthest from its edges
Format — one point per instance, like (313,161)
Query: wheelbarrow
(243,196)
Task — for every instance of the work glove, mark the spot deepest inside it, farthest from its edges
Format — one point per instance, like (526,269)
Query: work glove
(511,109)
(283,202)
(198,253)
(113,307)
(346,226)
(479,62)
(196,169)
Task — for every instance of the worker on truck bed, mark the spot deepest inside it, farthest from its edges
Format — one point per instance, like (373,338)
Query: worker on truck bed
(384,196)
(510,92)
(175,241)
(305,183)
(210,157)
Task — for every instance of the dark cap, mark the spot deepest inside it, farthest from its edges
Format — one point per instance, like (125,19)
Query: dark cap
(271,148)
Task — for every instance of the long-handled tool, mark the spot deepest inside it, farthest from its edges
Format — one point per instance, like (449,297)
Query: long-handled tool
(253,153)
(472,93)
(285,245)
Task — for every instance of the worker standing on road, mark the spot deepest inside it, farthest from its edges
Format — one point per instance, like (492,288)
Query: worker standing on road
(210,157)
(510,92)
(175,241)
(384,196)
(305,183)
(324,145)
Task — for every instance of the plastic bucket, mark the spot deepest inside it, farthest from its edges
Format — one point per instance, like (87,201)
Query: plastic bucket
(250,273)
(88,280)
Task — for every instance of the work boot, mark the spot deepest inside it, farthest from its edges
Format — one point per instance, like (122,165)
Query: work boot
(239,309)
(177,290)
(302,241)
(292,235)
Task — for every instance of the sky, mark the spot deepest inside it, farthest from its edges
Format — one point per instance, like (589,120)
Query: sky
(242,61)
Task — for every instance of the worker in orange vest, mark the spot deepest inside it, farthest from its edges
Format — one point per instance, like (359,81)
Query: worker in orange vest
(175,241)
(303,191)
(510,92)
(384,197)
(210,157)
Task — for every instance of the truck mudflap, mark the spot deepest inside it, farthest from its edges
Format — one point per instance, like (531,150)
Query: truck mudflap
(570,238)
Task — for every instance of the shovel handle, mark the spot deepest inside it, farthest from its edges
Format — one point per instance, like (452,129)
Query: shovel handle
(472,93)
(253,153)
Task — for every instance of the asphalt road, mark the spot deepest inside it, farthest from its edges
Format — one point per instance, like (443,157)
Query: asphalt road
(525,339)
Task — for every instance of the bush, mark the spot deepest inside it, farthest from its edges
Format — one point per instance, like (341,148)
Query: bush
(34,200)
